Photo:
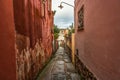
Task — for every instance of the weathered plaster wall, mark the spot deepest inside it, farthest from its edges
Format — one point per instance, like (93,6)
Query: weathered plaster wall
(26,38)
(98,44)
(33,36)
(29,60)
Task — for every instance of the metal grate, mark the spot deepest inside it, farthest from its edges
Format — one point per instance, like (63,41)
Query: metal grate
(59,76)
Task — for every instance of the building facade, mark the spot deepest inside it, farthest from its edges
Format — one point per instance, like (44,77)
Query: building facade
(7,41)
(31,36)
(97,40)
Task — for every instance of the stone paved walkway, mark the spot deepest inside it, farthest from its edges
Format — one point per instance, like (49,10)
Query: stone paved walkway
(59,68)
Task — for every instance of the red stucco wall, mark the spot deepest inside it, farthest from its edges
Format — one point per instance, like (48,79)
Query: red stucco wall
(99,42)
(7,41)
(25,39)
(33,36)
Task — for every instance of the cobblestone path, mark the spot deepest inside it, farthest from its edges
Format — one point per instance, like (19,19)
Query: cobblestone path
(59,68)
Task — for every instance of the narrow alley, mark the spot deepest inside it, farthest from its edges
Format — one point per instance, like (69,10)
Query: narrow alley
(59,68)
(59,39)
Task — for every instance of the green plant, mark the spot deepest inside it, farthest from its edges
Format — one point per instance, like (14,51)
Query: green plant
(56,35)
(56,32)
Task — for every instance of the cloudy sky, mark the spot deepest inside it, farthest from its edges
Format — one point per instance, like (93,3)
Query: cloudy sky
(63,17)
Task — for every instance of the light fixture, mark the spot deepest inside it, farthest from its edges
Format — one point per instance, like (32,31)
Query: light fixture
(60,6)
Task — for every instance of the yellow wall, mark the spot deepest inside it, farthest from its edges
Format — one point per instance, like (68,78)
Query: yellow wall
(73,47)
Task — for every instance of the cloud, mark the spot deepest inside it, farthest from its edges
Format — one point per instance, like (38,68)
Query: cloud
(63,17)
(63,21)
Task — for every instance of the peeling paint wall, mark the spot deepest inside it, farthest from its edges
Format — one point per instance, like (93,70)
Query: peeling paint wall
(26,38)
(29,60)
(34,36)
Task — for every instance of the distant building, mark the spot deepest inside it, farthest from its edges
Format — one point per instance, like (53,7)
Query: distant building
(97,39)
(61,37)
(62,31)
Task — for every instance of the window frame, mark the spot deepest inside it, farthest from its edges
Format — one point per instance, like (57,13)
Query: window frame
(81,19)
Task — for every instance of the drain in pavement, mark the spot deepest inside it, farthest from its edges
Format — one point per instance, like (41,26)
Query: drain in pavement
(58,76)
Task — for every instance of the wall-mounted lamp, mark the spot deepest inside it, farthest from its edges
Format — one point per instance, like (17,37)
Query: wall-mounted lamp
(61,6)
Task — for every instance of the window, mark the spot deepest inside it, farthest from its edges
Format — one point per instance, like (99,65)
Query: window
(81,19)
